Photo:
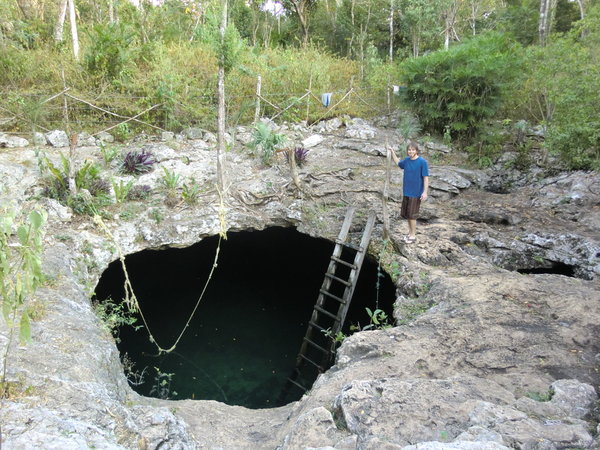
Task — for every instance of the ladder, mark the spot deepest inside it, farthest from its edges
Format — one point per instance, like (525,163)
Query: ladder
(318,345)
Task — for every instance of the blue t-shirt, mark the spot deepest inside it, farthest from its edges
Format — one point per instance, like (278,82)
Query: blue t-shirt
(414,171)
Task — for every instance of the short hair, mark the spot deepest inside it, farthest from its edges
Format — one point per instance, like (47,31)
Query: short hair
(413,144)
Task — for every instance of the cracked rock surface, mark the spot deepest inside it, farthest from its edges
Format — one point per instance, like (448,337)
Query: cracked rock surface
(497,316)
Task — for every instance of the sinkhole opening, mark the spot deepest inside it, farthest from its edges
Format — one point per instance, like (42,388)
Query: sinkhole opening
(242,343)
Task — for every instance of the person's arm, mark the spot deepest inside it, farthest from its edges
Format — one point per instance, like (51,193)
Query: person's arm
(425,188)
(394,156)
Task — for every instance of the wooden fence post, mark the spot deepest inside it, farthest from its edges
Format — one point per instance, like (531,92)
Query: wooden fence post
(258,87)
(308,97)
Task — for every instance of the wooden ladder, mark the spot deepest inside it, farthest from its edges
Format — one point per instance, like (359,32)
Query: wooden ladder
(318,345)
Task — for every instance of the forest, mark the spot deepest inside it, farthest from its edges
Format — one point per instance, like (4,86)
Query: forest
(468,72)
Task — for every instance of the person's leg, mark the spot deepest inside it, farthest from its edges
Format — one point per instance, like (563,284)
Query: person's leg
(412,228)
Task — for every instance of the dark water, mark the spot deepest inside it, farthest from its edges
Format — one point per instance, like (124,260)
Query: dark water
(243,340)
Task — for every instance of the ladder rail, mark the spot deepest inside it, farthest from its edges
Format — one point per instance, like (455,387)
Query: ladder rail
(319,310)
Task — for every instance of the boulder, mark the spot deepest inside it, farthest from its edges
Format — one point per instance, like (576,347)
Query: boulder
(57,138)
(12,141)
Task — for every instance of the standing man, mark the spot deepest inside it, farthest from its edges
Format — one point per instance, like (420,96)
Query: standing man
(414,188)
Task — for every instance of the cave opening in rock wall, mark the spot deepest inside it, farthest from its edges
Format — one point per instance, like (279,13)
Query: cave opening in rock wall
(242,343)
(555,268)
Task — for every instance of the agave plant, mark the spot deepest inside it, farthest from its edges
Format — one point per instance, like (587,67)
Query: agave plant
(265,142)
(136,162)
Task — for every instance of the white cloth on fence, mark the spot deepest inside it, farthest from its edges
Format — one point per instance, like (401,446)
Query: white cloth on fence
(396,89)
(326,99)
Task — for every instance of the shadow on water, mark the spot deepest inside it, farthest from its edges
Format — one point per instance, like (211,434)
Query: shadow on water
(242,343)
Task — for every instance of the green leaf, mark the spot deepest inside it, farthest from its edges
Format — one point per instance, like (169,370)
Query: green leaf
(6,309)
(25,328)
(23,234)
(36,218)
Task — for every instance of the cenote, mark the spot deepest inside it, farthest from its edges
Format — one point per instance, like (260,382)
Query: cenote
(242,342)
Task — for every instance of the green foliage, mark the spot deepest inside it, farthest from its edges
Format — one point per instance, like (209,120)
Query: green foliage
(378,319)
(56,184)
(109,152)
(20,265)
(111,52)
(190,192)
(265,142)
(459,89)
(170,179)
(113,316)
(122,190)
(21,249)
(541,396)
(520,18)
(559,88)
(161,387)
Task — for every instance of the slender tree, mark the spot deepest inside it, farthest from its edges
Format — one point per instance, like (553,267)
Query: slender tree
(74,35)
(60,21)
(301,8)
(221,101)
(547,8)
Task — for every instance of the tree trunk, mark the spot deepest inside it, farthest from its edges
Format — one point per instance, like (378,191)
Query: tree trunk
(111,11)
(60,21)
(391,30)
(28,8)
(74,35)
(301,9)
(581,4)
(221,107)
(546,12)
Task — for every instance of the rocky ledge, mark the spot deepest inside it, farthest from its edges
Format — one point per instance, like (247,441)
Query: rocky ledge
(497,311)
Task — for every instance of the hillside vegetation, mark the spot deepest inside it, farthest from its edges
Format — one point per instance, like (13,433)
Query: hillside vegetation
(475,73)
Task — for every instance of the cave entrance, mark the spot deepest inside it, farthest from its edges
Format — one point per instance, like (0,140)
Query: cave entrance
(243,341)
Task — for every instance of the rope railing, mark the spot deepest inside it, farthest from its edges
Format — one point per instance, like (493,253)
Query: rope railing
(94,115)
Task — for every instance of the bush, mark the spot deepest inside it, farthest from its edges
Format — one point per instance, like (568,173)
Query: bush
(459,89)
(559,88)
(111,51)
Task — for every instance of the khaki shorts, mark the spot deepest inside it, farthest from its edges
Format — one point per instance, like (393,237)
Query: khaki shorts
(410,207)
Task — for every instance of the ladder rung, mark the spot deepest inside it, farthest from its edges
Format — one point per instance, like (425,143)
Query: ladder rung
(345,263)
(312,362)
(335,297)
(318,327)
(324,311)
(314,344)
(358,248)
(339,280)
(297,384)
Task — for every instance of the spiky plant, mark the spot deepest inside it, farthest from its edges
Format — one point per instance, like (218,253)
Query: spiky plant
(137,162)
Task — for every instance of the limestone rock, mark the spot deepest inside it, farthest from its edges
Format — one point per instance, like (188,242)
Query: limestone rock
(12,141)
(106,137)
(312,141)
(575,399)
(167,136)
(85,140)
(193,133)
(39,138)
(315,428)
(57,138)
(360,129)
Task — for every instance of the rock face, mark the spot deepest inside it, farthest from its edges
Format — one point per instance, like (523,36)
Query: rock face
(496,318)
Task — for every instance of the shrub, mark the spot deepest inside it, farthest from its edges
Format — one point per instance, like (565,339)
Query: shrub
(111,51)
(139,192)
(458,89)
(265,142)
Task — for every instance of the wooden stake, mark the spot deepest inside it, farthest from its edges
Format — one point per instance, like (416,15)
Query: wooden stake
(386,190)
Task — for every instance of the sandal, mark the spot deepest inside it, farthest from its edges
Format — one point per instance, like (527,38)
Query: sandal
(410,240)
